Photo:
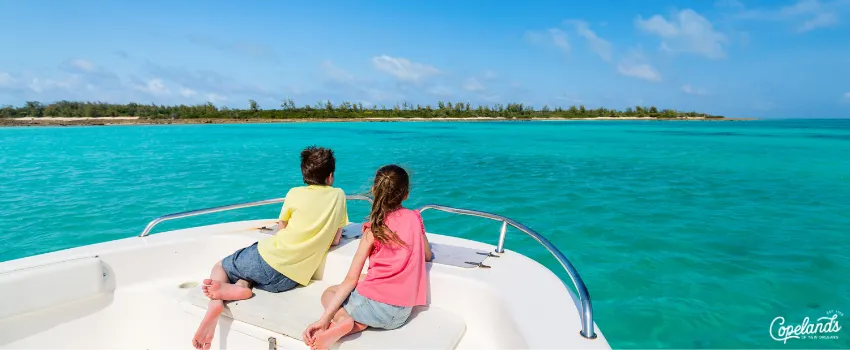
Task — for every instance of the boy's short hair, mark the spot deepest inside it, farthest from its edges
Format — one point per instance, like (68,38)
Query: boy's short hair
(317,164)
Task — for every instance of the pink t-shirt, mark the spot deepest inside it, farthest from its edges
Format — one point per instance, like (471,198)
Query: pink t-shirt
(396,274)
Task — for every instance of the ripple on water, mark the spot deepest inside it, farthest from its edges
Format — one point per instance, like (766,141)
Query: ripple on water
(688,235)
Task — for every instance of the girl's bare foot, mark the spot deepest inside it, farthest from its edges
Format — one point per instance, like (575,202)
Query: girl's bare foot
(216,290)
(206,331)
(326,338)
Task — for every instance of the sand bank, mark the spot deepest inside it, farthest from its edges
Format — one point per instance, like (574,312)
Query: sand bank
(67,121)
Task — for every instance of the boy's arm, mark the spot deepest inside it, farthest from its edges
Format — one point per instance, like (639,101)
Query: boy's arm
(337,237)
(281,224)
(343,219)
(285,211)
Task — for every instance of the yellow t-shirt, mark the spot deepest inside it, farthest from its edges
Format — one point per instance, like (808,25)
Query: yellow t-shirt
(313,214)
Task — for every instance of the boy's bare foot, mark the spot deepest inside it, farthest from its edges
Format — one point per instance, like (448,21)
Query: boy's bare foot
(216,290)
(326,338)
(206,331)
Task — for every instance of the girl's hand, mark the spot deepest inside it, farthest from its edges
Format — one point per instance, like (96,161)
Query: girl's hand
(310,333)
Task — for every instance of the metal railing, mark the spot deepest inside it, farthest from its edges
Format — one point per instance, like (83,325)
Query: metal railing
(184,214)
(587,327)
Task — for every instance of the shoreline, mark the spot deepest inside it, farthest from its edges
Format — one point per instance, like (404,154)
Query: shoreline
(112,121)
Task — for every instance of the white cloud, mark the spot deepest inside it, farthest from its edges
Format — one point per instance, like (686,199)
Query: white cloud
(822,20)
(491,98)
(187,92)
(635,65)
(685,32)
(534,37)
(6,80)
(559,38)
(802,7)
(553,36)
(41,85)
(489,75)
(335,73)
(570,98)
(600,46)
(473,84)
(83,65)
(441,91)
(642,71)
(730,4)
(807,14)
(688,89)
(239,47)
(154,87)
(847,95)
(403,69)
(216,98)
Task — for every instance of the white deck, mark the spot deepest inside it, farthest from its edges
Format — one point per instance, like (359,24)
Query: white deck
(139,304)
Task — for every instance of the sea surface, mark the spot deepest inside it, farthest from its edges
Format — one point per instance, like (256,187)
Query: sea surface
(687,234)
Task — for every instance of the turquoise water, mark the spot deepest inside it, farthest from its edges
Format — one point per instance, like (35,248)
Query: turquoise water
(688,234)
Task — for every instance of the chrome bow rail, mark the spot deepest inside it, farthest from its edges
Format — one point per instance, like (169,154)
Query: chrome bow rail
(587,327)
(184,214)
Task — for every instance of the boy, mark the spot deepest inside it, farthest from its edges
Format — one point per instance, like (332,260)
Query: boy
(310,221)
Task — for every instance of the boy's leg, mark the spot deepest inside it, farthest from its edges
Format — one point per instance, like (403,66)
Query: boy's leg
(217,287)
(204,336)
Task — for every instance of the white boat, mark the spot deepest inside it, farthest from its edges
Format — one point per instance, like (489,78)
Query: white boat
(143,293)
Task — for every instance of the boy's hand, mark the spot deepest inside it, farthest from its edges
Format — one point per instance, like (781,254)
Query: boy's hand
(310,333)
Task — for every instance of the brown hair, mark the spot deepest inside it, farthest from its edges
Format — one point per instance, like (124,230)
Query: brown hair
(317,164)
(391,187)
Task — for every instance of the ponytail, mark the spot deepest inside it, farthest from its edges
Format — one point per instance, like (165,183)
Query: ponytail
(390,188)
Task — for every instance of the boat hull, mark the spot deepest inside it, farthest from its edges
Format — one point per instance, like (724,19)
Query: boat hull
(137,301)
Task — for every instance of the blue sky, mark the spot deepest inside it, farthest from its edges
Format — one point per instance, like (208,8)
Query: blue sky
(737,58)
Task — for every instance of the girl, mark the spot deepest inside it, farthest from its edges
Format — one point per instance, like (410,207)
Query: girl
(395,243)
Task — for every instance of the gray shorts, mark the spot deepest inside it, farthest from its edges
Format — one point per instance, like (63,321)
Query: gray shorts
(247,264)
(375,313)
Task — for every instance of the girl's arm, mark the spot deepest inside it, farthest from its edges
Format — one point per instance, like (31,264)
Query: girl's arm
(428,254)
(347,286)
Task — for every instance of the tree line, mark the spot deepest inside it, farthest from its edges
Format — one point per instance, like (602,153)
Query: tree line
(328,110)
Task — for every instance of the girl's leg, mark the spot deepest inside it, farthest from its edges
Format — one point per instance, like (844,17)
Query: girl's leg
(328,294)
(341,326)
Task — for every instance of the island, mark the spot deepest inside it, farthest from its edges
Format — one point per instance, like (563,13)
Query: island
(34,113)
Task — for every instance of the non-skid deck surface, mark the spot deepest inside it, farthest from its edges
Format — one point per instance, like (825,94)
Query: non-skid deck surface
(289,313)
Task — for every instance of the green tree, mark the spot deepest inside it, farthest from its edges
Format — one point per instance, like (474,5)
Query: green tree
(35,109)
(326,109)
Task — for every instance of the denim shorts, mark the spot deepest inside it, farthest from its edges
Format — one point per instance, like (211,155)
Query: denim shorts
(375,313)
(247,264)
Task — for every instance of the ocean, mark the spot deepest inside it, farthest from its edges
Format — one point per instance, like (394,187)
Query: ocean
(688,234)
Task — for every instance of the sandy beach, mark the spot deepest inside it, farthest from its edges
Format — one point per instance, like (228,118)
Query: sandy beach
(106,121)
